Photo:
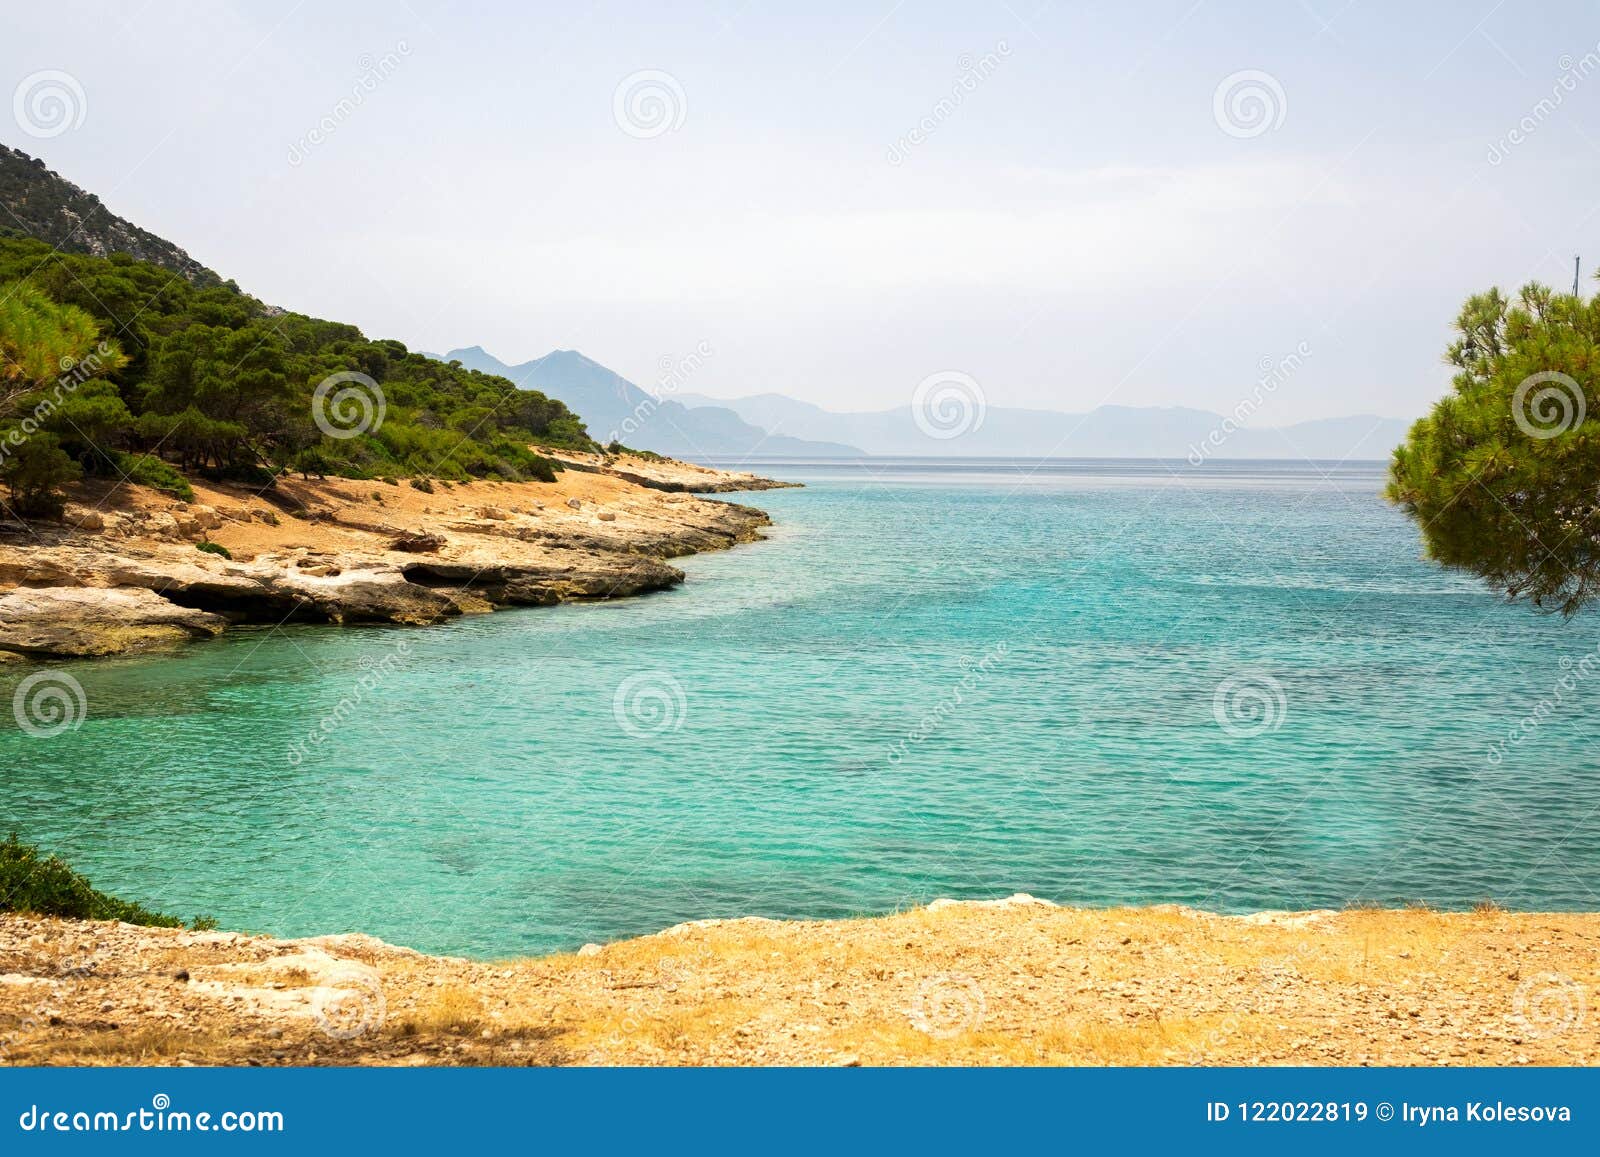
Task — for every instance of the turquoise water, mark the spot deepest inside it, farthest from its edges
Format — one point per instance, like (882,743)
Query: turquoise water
(933,680)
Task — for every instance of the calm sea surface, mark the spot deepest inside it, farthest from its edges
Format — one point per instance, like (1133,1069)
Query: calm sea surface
(1100,682)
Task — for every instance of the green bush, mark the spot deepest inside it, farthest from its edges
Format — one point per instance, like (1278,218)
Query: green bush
(148,470)
(45,886)
(34,469)
(422,484)
(214,548)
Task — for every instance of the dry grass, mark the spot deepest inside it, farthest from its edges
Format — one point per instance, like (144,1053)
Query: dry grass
(958,984)
(454,1010)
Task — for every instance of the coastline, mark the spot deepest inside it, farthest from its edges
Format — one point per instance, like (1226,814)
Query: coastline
(1016,981)
(133,569)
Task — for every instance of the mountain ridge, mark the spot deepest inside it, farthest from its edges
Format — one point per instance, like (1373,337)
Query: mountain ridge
(1107,431)
(41,203)
(616,409)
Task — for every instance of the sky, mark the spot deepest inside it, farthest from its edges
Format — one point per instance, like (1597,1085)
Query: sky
(1072,204)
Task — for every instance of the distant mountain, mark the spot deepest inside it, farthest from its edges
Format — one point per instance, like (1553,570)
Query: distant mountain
(613,407)
(1105,432)
(44,205)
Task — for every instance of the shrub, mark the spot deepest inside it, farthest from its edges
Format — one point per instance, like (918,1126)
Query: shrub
(45,886)
(35,470)
(148,470)
(214,548)
(422,484)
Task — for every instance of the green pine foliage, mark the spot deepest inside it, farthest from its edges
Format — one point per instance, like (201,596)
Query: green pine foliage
(1503,476)
(205,381)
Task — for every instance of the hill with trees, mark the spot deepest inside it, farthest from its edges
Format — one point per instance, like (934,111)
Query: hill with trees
(124,368)
(44,205)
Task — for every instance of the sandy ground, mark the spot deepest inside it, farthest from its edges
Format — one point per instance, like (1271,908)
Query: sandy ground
(1000,982)
(346,512)
(129,568)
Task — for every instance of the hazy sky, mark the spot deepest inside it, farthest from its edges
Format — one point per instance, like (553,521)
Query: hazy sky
(1085,221)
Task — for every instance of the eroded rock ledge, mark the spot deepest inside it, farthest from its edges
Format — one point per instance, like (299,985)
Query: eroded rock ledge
(125,570)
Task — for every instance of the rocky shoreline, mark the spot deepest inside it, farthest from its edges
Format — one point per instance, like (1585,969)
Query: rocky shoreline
(1014,981)
(131,569)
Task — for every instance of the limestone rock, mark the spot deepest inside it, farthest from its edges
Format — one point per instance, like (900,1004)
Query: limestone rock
(96,620)
(84,518)
(417,542)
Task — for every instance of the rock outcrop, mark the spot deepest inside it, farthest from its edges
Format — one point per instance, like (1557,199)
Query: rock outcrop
(122,571)
(83,621)
(667,474)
